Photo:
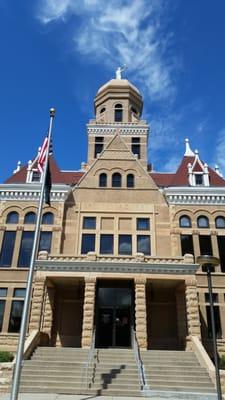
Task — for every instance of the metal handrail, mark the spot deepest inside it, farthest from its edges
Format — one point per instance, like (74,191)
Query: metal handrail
(140,365)
(90,357)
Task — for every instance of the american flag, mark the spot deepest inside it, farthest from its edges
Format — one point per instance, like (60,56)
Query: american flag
(42,156)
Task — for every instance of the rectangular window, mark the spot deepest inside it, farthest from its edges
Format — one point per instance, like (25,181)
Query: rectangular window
(15,316)
(135,147)
(45,241)
(106,244)
(99,144)
(7,248)
(214,295)
(2,310)
(19,293)
(186,244)
(143,224)
(88,243)
(125,244)
(205,245)
(143,244)
(3,292)
(217,321)
(221,247)
(198,179)
(26,249)
(36,176)
(89,223)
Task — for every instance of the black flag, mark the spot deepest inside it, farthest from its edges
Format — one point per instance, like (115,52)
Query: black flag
(48,185)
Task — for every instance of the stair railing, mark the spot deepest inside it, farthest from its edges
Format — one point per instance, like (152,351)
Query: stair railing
(139,363)
(90,358)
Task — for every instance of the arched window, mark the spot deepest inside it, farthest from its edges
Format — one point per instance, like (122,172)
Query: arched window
(203,222)
(118,113)
(103,180)
(130,180)
(12,218)
(116,180)
(220,222)
(134,110)
(47,218)
(30,218)
(185,221)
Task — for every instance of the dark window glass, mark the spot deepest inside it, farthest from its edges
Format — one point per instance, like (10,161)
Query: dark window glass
(143,244)
(198,179)
(7,248)
(89,223)
(221,246)
(135,146)
(220,222)
(30,218)
(130,180)
(99,144)
(47,218)
(116,180)
(106,244)
(36,176)
(205,245)
(19,292)
(45,241)
(217,321)
(103,180)
(214,295)
(102,110)
(12,218)
(114,296)
(118,113)
(134,110)
(125,244)
(2,310)
(186,244)
(185,221)
(203,222)
(15,316)
(143,224)
(88,243)
(3,292)
(26,249)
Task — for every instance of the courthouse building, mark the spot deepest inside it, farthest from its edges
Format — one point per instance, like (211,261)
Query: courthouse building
(119,242)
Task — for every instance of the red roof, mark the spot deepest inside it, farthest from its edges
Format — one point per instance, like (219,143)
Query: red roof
(180,177)
(58,176)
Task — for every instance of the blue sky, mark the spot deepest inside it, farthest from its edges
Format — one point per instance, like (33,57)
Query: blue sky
(58,53)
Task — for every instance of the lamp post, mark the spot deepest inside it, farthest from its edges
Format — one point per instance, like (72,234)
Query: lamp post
(208,263)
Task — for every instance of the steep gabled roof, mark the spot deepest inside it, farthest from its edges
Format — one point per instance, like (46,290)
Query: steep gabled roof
(58,176)
(180,177)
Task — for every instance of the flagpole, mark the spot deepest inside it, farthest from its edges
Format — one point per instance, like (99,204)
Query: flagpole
(27,300)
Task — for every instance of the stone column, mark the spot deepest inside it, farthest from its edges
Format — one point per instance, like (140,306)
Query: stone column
(88,311)
(140,312)
(193,320)
(37,303)
(48,307)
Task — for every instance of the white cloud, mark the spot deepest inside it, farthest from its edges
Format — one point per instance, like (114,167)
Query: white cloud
(121,32)
(220,151)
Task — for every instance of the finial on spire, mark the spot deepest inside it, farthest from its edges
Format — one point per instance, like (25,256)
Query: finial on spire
(119,71)
(188,151)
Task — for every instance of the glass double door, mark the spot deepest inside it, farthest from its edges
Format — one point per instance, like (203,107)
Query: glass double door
(114,317)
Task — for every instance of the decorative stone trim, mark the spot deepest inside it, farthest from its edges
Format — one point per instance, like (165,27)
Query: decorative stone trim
(195,195)
(88,311)
(111,130)
(37,303)
(31,191)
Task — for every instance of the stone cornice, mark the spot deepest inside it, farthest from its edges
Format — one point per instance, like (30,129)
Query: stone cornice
(71,266)
(31,192)
(195,195)
(111,129)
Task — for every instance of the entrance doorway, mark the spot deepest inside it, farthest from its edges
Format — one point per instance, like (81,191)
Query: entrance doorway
(114,314)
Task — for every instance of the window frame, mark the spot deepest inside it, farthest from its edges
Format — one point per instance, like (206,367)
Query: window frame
(90,218)
(102,180)
(139,250)
(90,236)
(45,215)
(183,225)
(9,215)
(118,112)
(27,215)
(130,180)
(130,251)
(116,180)
(203,217)
(220,217)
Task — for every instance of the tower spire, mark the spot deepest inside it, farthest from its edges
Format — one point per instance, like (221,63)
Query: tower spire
(188,151)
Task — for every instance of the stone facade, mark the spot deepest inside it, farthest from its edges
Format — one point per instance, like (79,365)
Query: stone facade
(114,226)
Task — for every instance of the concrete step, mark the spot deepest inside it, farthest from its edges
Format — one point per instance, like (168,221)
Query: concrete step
(94,392)
(182,388)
